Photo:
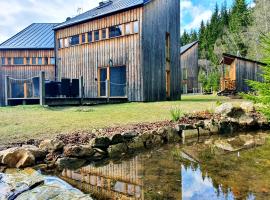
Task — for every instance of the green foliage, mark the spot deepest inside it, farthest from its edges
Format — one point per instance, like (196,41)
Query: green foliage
(176,114)
(262,89)
(209,80)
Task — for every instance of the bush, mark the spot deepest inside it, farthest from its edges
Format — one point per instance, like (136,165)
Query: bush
(176,114)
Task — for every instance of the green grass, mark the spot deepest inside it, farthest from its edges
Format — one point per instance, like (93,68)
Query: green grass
(27,122)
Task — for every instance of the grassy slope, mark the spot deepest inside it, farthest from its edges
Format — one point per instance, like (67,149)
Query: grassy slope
(26,122)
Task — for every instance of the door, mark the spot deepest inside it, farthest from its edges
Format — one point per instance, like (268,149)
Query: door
(118,81)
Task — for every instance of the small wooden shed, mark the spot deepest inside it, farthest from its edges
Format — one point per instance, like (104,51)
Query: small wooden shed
(236,70)
(190,67)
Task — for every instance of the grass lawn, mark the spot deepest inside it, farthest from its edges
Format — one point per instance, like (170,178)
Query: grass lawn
(26,122)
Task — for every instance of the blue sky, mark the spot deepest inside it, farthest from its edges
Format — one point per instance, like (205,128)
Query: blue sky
(15,15)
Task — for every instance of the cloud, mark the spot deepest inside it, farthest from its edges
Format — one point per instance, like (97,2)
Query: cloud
(16,15)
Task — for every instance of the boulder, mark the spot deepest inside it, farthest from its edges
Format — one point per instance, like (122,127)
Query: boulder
(17,157)
(101,143)
(38,153)
(247,107)
(78,151)
(225,127)
(129,135)
(70,163)
(223,145)
(99,154)
(247,121)
(173,135)
(51,145)
(116,139)
(225,109)
(117,150)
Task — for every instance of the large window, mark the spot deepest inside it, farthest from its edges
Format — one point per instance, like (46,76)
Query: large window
(136,27)
(34,61)
(3,61)
(39,61)
(115,31)
(74,40)
(52,61)
(61,45)
(28,61)
(90,36)
(96,33)
(104,33)
(18,61)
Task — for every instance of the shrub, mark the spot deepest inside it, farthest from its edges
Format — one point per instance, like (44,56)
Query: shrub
(176,114)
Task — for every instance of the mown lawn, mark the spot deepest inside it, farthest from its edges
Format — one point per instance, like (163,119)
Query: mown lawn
(26,122)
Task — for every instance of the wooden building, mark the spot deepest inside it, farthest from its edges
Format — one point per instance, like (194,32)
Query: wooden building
(190,67)
(123,49)
(236,70)
(27,53)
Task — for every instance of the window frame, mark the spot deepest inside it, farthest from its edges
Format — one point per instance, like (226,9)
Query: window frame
(74,40)
(28,61)
(52,58)
(34,60)
(128,32)
(95,35)
(3,61)
(9,61)
(46,61)
(40,59)
(137,30)
(90,39)
(102,34)
(83,38)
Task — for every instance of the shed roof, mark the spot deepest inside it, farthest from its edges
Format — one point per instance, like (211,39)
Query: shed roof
(110,7)
(229,58)
(35,36)
(187,47)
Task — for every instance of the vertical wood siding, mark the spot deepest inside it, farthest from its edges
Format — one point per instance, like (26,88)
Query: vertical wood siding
(85,59)
(161,17)
(189,61)
(24,71)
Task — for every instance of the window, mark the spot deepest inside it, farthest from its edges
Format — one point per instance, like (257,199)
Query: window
(18,61)
(34,61)
(104,33)
(46,61)
(83,38)
(28,61)
(96,33)
(116,31)
(39,61)
(90,36)
(136,27)
(127,29)
(61,45)
(185,75)
(3,61)
(66,42)
(74,40)
(52,61)
(9,61)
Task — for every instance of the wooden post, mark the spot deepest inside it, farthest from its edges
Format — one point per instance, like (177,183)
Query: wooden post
(6,90)
(81,89)
(107,90)
(42,88)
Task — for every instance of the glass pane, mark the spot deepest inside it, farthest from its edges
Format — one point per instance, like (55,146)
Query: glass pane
(115,31)
(9,61)
(127,31)
(28,61)
(40,61)
(90,36)
(83,38)
(46,61)
(118,81)
(96,35)
(66,42)
(136,27)
(61,43)
(104,34)
(34,61)
(3,61)
(18,61)
(74,40)
(52,61)
(102,79)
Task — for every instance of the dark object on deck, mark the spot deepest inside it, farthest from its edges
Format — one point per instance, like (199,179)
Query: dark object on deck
(66,87)
(52,89)
(75,87)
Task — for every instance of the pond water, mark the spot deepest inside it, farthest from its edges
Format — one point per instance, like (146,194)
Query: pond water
(167,174)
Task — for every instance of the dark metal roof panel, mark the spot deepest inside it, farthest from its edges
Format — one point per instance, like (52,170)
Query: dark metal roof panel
(35,36)
(226,55)
(114,6)
(188,46)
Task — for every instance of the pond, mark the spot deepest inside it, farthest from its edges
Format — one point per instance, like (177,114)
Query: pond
(168,173)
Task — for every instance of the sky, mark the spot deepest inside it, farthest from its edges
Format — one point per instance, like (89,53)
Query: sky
(15,15)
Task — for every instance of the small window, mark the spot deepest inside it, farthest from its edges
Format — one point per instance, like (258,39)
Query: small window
(104,33)
(52,61)
(66,42)
(39,61)
(116,31)
(61,45)
(136,27)
(96,33)
(3,61)
(9,61)
(46,61)
(83,38)
(127,29)
(28,61)
(18,61)
(34,61)
(90,36)
(74,40)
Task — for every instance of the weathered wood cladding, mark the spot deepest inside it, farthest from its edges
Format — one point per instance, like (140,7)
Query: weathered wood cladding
(85,59)
(189,63)
(24,71)
(161,17)
(246,70)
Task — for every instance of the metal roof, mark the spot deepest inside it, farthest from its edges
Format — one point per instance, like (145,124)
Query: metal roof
(229,58)
(110,7)
(35,36)
(188,46)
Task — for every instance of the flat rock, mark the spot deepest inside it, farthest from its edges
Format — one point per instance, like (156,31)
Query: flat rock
(51,145)
(78,151)
(70,163)
(224,109)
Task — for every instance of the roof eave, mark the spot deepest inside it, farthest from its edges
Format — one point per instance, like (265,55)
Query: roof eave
(195,42)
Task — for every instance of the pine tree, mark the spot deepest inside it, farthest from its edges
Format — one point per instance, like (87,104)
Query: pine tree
(185,39)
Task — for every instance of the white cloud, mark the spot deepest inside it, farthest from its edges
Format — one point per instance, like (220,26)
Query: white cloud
(16,15)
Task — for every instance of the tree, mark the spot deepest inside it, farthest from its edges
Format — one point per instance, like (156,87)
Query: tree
(185,39)
(262,89)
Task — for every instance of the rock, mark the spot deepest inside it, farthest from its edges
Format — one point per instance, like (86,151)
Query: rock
(129,136)
(78,151)
(223,145)
(225,127)
(38,153)
(99,154)
(51,145)
(101,143)
(173,135)
(248,107)
(199,124)
(70,163)
(17,157)
(116,139)
(117,150)
(136,144)
(225,109)
(247,121)
(191,133)
(211,125)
